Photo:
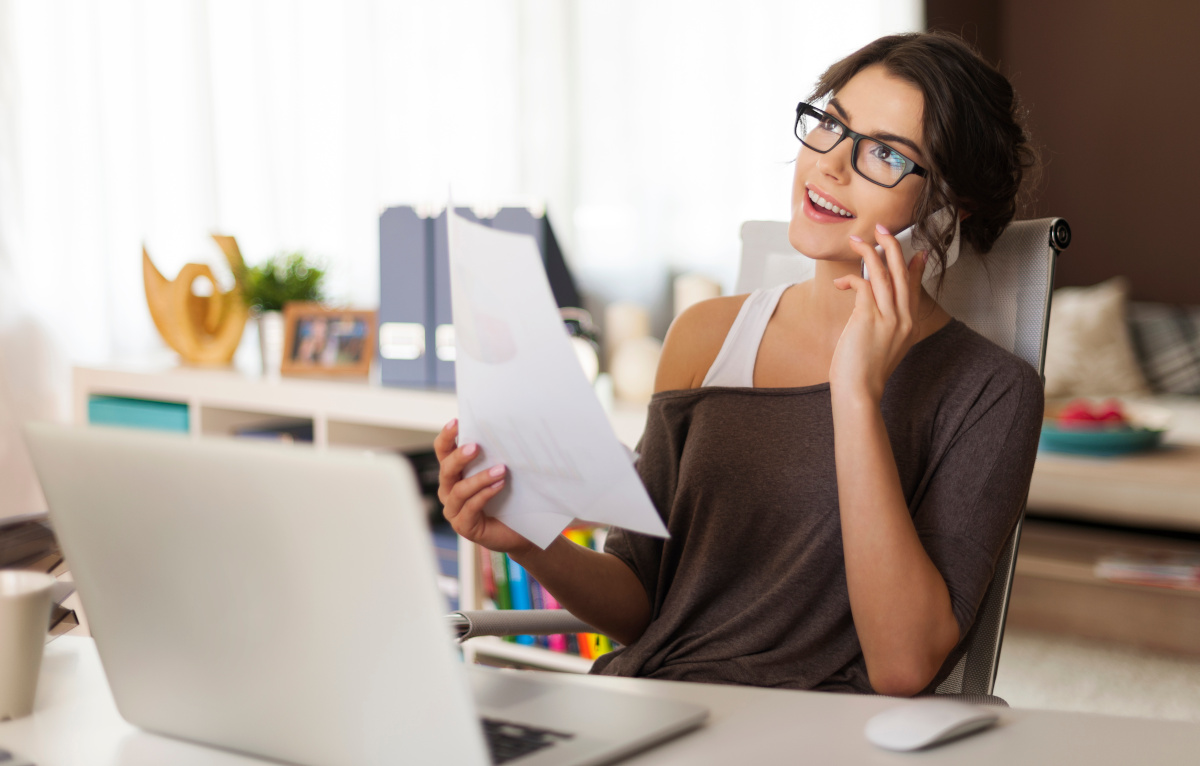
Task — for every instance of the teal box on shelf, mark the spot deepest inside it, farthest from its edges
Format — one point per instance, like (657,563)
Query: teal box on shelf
(138,413)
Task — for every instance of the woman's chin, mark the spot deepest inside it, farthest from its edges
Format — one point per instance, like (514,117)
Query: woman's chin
(812,244)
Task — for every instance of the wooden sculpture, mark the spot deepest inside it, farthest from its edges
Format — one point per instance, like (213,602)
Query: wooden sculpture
(203,329)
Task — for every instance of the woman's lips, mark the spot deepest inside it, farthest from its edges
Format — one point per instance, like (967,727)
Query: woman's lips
(820,214)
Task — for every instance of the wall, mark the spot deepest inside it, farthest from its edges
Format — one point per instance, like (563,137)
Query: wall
(1111,89)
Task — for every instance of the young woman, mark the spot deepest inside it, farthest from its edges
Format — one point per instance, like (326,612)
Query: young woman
(839,461)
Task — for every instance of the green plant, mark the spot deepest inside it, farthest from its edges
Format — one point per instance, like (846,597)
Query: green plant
(282,278)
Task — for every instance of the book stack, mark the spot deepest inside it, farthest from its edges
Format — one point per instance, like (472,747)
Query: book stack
(508,586)
(1178,571)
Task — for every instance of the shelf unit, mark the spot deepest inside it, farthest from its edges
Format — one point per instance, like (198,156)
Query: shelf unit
(343,413)
(350,414)
(1056,588)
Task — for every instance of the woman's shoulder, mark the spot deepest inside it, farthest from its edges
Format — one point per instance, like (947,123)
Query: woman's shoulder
(693,342)
(969,363)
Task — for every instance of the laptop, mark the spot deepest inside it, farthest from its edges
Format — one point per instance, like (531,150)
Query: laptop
(282,602)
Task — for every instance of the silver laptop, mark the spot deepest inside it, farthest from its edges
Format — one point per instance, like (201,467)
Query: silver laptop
(282,601)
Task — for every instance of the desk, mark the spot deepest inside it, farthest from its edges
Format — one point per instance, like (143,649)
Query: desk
(75,724)
(1147,489)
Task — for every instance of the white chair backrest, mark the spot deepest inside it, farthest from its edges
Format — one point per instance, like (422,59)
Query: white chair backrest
(1005,297)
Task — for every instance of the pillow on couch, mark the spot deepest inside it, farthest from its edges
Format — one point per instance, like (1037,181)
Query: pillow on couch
(1167,341)
(1088,349)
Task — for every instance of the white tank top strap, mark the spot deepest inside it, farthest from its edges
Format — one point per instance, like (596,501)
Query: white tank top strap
(734,365)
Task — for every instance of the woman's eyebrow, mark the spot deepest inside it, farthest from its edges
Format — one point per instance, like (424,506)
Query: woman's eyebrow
(889,137)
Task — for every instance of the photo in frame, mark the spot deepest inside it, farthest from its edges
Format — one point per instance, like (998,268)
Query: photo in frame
(327,341)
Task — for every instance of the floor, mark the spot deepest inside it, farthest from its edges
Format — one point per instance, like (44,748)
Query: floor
(1041,670)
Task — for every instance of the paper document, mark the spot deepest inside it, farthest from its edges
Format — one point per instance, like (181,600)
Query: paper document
(523,397)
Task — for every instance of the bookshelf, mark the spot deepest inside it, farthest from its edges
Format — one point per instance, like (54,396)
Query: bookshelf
(352,414)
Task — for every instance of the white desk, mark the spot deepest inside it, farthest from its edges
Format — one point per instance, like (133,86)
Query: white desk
(75,724)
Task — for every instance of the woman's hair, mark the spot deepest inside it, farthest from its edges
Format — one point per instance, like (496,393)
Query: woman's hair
(976,147)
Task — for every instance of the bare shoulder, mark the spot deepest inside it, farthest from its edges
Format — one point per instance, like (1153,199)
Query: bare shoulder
(693,342)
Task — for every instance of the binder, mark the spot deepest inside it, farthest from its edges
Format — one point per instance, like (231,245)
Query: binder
(566,294)
(416,332)
(405,299)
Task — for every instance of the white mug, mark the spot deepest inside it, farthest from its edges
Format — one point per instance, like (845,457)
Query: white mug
(24,620)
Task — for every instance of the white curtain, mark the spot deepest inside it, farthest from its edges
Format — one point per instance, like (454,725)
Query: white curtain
(650,129)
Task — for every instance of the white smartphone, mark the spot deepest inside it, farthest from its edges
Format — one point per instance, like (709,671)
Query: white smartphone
(909,249)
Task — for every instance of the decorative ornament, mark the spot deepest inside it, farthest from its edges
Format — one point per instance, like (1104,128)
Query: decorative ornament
(203,329)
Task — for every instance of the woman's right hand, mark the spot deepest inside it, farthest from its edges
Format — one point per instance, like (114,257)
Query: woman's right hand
(464,499)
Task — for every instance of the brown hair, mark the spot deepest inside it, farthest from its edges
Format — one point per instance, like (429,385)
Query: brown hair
(976,148)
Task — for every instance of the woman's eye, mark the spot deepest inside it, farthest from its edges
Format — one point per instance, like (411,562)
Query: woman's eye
(884,154)
(828,124)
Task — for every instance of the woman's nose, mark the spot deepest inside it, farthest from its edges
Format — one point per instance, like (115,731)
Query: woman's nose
(836,161)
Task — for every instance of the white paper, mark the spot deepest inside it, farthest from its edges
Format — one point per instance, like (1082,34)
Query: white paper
(523,397)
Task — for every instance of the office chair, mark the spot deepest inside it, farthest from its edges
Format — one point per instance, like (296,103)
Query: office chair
(1004,296)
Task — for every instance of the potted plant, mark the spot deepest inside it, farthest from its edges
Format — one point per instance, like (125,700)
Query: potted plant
(282,278)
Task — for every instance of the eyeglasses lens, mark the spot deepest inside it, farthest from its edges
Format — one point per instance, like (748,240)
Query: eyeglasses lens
(874,160)
(879,163)
(818,132)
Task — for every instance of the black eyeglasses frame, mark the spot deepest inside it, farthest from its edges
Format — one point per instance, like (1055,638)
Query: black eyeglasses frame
(910,167)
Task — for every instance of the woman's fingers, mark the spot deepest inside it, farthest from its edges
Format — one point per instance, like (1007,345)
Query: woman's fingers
(863,298)
(451,469)
(445,442)
(880,283)
(472,510)
(897,268)
(465,489)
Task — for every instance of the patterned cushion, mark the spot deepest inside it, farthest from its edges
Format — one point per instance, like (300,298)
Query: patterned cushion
(1088,349)
(1167,341)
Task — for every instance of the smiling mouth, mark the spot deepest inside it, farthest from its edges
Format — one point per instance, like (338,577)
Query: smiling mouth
(820,202)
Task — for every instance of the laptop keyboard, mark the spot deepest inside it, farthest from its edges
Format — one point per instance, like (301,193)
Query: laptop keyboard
(509,741)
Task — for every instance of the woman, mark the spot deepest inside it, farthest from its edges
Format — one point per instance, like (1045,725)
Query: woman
(839,462)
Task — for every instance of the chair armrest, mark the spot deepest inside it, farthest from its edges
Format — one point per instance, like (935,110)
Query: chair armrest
(515,622)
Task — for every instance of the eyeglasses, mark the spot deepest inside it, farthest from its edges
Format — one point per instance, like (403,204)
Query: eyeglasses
(873,160)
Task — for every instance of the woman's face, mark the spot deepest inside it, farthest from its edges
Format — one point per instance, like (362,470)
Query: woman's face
(875,104)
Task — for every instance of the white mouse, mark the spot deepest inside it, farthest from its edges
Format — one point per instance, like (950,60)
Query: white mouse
(925,722)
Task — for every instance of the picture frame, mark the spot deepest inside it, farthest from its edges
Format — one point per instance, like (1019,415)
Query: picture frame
(327,341)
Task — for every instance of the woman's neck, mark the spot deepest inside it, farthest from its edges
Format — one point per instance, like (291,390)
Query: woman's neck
(823,310)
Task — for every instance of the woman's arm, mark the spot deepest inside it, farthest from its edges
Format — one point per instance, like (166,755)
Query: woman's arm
(899,600)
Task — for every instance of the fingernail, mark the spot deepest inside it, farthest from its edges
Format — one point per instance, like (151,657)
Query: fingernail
(470,449)
(882,229)
(451,424)
(856,238)
(496,470)
(498,484)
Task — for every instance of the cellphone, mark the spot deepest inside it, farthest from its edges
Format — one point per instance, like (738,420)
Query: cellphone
(909,249)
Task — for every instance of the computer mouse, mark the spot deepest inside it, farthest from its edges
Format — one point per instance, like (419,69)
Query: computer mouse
(923,723)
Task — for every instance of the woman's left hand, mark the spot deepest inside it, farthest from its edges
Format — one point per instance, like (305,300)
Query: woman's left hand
(882,327)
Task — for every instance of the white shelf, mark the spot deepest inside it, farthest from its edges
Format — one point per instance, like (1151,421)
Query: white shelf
(354,413)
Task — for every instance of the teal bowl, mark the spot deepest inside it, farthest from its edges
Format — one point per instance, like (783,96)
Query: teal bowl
(1098,442)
